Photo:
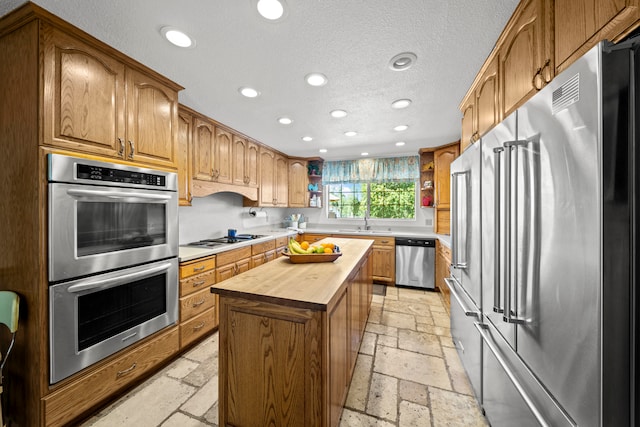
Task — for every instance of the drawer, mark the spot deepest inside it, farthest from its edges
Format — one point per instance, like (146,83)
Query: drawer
(282,241)
(377,240)
(196,267)
(196,303)
(197,327)
(66,403)
(229,257)
(195,283)
(259,248)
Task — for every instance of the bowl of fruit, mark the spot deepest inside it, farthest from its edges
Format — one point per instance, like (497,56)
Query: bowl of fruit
(304,252)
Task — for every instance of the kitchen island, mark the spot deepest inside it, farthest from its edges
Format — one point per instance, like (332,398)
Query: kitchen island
(289,338)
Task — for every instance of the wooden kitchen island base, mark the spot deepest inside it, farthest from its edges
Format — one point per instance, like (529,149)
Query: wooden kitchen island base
(289,338)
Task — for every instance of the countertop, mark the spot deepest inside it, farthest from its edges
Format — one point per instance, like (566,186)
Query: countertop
(311,285)
(188,253)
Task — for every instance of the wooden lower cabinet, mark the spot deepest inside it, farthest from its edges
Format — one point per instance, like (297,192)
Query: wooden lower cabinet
(232,263)
(383,257)
(69,402)
(198,315)
(281,245)
(301,359)
(443,261)
(263,252)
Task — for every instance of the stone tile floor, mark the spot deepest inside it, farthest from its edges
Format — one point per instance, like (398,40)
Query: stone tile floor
(407,374)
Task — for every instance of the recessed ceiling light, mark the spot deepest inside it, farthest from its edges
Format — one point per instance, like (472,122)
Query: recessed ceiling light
(323,150)
(351,133)
(271,9)
(364,154)
(249,92)
(285,121)
(400,143)
(177,37)
(402,61)
(338,114)
(307,138)
(401,128)
(400,103)
(316,79)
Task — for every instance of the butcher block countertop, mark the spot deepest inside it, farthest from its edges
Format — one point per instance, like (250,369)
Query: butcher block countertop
(310,285)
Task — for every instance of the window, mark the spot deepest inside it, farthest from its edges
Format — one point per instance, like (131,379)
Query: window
(383,200)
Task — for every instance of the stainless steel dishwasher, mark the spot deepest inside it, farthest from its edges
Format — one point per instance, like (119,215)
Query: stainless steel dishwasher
(415,262)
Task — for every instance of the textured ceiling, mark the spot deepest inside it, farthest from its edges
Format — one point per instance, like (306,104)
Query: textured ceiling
(350,41)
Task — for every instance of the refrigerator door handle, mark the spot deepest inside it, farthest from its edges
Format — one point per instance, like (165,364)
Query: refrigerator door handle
(453,287)
(459,261)
(482,328)
(497,308)
(511,273)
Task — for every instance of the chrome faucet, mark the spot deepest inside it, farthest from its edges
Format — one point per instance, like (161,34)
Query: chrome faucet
(366,220)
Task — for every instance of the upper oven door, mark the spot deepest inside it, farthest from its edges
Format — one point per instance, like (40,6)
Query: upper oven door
(97,228)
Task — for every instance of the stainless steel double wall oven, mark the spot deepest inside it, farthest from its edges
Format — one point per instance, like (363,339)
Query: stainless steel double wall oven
(113,259)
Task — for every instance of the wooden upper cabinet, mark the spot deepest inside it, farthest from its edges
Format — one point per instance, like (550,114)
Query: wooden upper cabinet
(487,100)
(266,191)
(298,183)
(102,106)
(281,181)
(185,134)
(525,54)
(203,149)
(251,168)
(580,25)
(442,159)
(244,162)
(222,156)
(467,136)
(152,112)
(86,109)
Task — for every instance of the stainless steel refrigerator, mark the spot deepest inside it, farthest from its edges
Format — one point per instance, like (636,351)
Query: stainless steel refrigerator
(558,253)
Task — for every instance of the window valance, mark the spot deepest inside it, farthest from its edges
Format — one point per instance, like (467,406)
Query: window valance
(393,169)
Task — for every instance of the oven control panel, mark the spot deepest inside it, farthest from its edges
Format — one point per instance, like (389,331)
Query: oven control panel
(101,173)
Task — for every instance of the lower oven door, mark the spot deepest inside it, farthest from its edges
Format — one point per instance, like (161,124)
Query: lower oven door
(94,317)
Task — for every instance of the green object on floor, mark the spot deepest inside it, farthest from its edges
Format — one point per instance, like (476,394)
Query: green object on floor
(9,313)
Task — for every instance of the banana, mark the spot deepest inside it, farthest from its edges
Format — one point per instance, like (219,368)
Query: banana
(295,247)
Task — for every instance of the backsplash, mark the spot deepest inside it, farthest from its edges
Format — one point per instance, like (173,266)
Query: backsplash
(212,216)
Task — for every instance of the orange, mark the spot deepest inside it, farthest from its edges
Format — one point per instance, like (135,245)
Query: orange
(328,251)
(304,245)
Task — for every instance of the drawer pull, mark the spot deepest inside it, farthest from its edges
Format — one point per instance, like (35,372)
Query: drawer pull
(201,282)
(199,326)
(384,241)
(198,268)
(199,303)
(126,371)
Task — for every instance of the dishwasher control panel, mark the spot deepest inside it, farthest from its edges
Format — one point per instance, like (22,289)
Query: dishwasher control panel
(415,241)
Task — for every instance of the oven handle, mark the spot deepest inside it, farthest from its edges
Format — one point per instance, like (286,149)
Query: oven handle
(111,194)
(91,284)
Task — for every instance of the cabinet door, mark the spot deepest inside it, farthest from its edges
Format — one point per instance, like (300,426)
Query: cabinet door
(384,264)
(468,123)
(243,265)
(86,107)
(152,111)
(238,162)
(298,183)
(579,21)
(225,272)
(203,142)
(338,358)
(251,167)
(442,165)
(487,101)
(282,181)
(185,132)
(523,53)
(267,174)
(222,156)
